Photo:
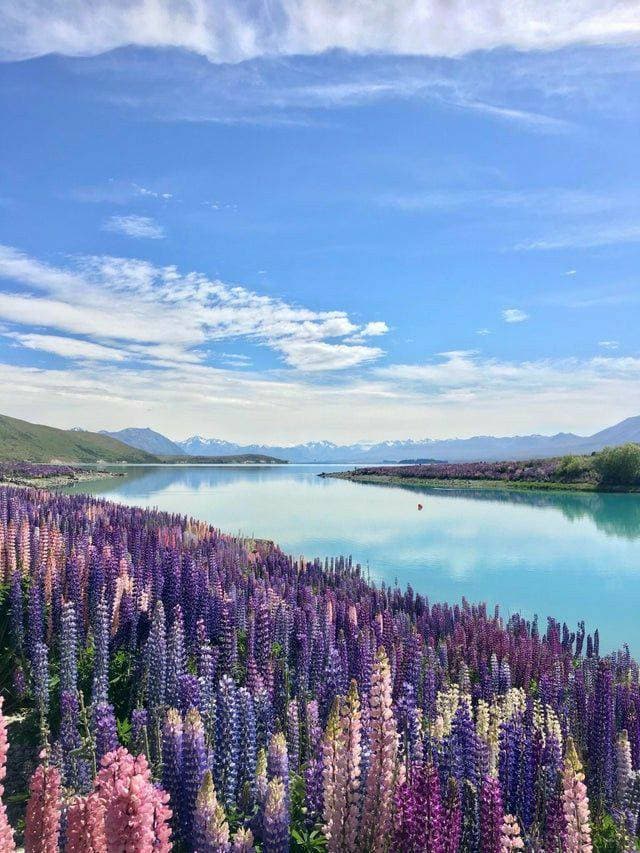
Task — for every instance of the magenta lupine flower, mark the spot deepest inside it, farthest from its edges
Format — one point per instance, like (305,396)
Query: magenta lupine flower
(6,833)
(42,820)
(378,798)
(491,815)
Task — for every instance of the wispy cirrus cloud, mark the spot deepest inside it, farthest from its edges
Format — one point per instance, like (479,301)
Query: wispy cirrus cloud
(225,31)
(133,225)
(165,315)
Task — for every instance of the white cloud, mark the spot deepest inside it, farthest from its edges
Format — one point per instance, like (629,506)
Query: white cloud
(167,316)
(514,315)
(224,30)
(611,345)
(459,392)
(69,347)
(377,327)
(135,226)
(483,332)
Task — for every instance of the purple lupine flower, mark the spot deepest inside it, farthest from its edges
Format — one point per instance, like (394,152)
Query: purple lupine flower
(139,730)
(194,765)
(103,722)
(491,815)
(156,653)
(248,748)
(189,692)
(40,678)
(226,745)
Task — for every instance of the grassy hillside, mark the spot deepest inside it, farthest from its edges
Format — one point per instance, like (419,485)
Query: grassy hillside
(21,440)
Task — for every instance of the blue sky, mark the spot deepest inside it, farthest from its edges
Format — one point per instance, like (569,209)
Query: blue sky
(320,223)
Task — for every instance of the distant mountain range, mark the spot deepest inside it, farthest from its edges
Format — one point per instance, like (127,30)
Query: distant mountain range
(148,440)
(478,448)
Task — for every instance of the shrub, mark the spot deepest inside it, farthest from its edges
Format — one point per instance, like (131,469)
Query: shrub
(618,466)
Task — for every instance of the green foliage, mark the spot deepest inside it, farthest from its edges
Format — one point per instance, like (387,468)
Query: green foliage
(618,466)
(124,730)
(122,683)
(574,468)
(608,837)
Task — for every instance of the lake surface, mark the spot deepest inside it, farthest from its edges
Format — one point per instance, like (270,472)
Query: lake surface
(570,555)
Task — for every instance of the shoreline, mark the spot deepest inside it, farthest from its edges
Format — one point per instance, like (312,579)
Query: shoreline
(511,485)
(58,480)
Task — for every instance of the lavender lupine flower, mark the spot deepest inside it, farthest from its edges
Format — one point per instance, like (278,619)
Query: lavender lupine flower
(378,798)
(156,653)
(210,827)
(227,745)
(176,658)
(276,818)
(100,690)
(172,761)
(293,735)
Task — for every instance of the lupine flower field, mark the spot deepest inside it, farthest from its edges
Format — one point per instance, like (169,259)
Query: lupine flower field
(187,690)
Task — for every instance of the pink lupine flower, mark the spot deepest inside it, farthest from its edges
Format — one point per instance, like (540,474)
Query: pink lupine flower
(378,798)
(341,774)
(136,816)
(511,838)
(85,825)
(575,804)
(42,824)
(7,844)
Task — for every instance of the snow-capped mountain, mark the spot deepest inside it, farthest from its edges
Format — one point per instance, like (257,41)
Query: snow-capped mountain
(484,447)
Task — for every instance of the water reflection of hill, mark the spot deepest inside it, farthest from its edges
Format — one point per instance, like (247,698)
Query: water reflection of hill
(613,514)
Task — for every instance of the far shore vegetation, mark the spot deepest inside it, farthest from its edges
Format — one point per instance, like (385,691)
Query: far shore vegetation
(614,469)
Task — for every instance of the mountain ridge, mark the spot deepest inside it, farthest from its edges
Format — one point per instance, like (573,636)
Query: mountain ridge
(29,442)
(476,448)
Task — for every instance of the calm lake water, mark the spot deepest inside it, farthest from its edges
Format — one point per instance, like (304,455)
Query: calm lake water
(573,556)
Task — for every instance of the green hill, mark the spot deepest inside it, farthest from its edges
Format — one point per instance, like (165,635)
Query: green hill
(24,441)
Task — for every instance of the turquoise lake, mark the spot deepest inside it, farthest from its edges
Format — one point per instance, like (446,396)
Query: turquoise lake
(568,555)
